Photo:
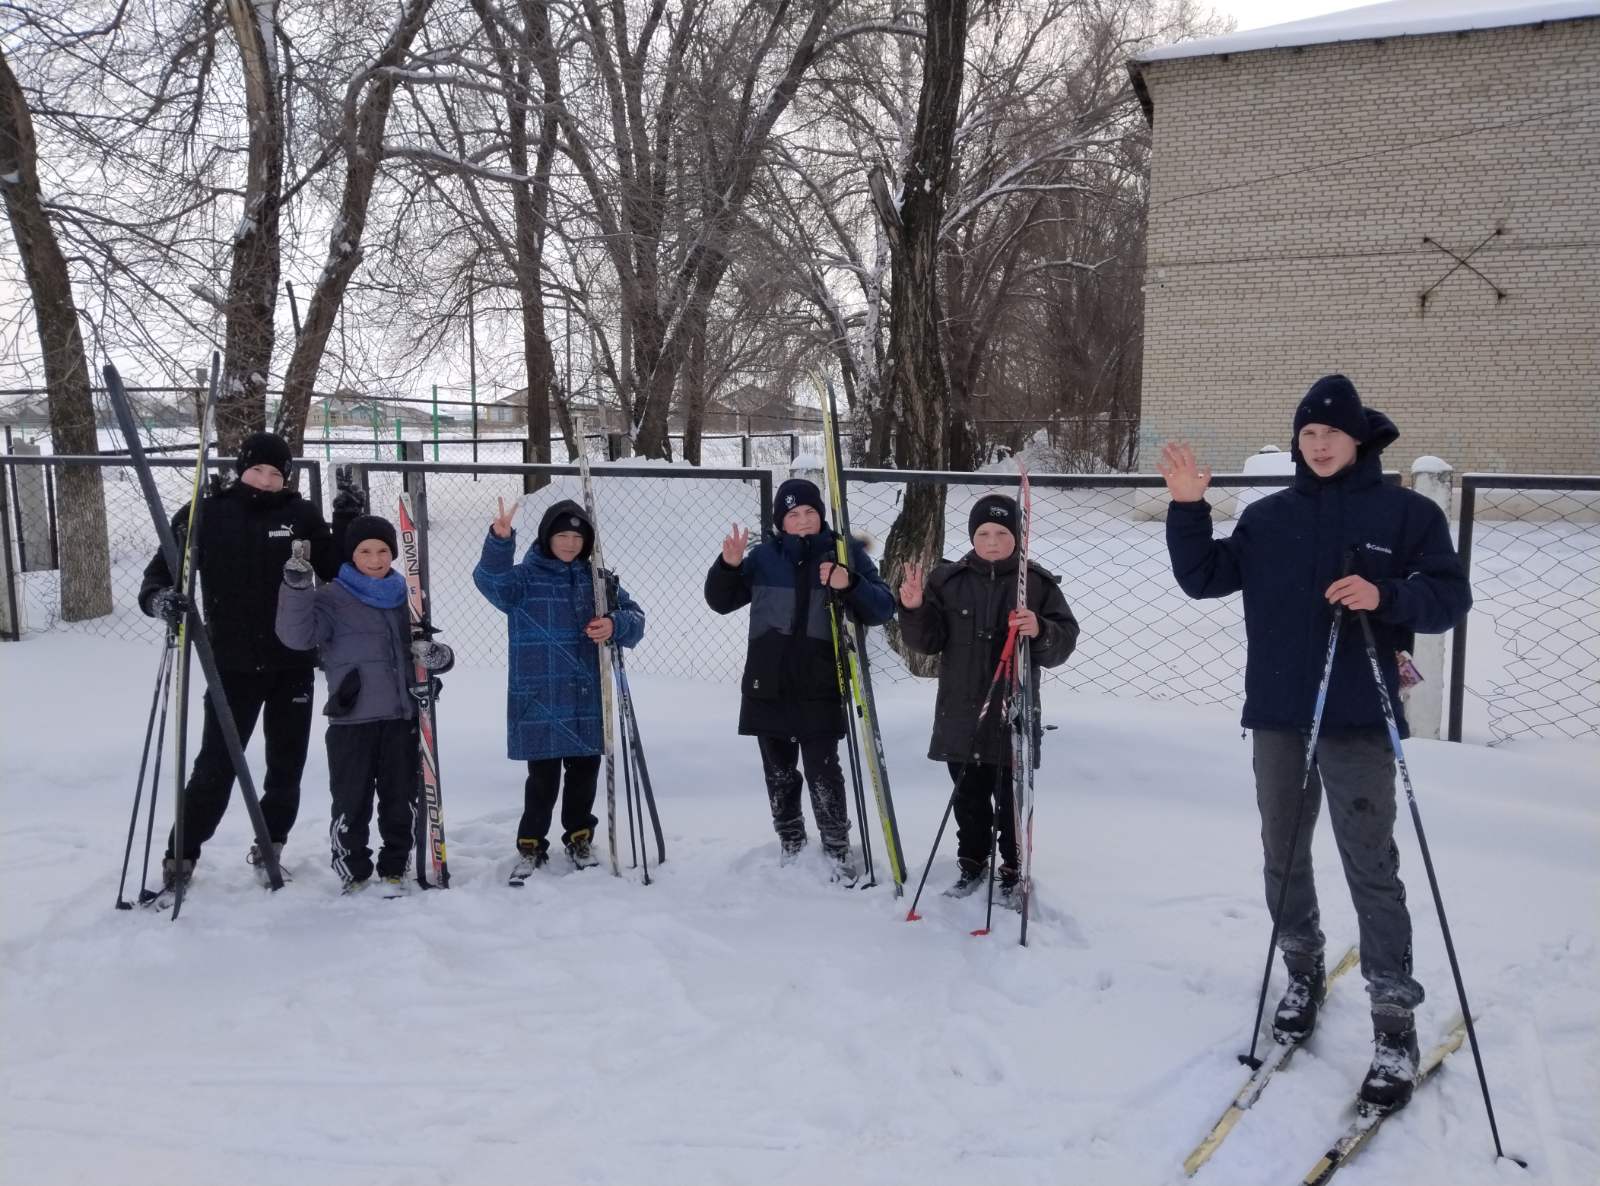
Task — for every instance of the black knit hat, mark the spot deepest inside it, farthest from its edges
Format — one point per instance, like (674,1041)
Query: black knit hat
(265,448)
(365,527)
(566,515)
(796,492)
(993,508)
(1333,401)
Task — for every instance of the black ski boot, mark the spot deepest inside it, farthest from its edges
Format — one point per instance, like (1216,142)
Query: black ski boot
(973,875)
(1296,1016)
(1393,1074)
(580,849)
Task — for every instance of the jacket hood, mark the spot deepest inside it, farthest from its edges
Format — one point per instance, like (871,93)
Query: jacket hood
(566,515)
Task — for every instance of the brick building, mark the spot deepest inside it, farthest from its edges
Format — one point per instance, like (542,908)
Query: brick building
(1314,187)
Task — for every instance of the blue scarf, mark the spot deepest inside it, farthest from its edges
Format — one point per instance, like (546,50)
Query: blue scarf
(385,592)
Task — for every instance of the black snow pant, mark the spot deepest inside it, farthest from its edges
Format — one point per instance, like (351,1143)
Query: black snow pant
(366,760)
(539,794)
(283,699)
(780,764)
(1356,769)
(983,796)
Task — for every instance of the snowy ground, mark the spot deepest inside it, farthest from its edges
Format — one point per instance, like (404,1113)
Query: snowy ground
(738,1023)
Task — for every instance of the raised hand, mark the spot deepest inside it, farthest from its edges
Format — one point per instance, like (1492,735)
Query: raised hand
(502,522)
(911,586)
(297,571)
(1186,478)
(734,545)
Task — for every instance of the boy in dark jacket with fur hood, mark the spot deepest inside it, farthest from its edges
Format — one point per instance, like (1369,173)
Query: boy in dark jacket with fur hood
(963,611)
(553,707)
(1338,536)
(791,701)
(360,625)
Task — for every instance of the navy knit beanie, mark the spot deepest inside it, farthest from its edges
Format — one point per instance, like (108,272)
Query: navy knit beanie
(994,508)
(365,527)
(1333,401)
(265,448)
(796,492)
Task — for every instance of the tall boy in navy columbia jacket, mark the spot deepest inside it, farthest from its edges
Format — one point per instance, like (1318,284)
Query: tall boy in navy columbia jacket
(791,703)
(1338,536)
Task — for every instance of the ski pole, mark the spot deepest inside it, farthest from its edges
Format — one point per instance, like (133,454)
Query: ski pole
(1433,880)
(983,713)
(1250,1060)
(994,853)
(156,697)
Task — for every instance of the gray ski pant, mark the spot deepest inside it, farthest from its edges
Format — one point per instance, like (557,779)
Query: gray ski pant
(1355,769)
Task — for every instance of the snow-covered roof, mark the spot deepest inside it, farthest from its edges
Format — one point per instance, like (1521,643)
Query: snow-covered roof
(1395,18)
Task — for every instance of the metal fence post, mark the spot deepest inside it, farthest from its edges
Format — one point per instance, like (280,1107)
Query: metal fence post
(1458,639)
(764,493)
(10,604)
(1424,703)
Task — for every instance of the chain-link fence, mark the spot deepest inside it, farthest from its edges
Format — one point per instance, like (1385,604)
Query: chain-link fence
(1531,545)
(660,527)
(32,538)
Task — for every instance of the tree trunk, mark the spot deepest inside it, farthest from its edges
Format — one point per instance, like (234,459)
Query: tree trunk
(253,274)
(81,509)
(919,390)
(363,150)
(695,395)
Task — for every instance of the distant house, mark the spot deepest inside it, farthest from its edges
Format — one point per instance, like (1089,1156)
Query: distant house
(1407,192)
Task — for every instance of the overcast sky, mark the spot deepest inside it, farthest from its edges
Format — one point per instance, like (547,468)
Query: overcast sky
(1252,14)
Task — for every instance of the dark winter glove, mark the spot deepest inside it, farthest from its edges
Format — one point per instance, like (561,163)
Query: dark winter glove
(433,656)
(297,570)
(170,606)
(350,502)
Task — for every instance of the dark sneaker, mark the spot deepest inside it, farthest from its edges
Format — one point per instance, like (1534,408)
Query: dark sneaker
(1296,1015)
(973,875)
(1393,1074)
(580,849)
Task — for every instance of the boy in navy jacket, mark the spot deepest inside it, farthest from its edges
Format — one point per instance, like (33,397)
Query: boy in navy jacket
(1337,536)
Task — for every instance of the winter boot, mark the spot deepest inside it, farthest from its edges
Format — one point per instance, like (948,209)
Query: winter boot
(172,873)
(1393,1074)
(580,849)
(973,875)
(531,855)
(1297,1011)
(843,866)
(791,852)
(396,887)
(354,886)
(1010,887)
(253,859)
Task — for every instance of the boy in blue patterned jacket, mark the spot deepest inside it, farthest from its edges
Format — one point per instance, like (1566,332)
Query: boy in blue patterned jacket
(553,713)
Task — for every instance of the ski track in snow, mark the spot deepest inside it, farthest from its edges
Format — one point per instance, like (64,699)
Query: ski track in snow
(739,1022)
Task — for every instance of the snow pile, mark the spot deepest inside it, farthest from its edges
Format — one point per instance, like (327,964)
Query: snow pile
(738,1022)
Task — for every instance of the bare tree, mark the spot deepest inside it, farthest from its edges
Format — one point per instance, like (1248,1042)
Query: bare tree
(84,554)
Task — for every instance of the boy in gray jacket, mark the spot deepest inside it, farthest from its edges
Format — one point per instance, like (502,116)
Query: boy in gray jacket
(361,626)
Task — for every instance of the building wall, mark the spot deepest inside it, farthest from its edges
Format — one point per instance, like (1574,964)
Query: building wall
(1291,191)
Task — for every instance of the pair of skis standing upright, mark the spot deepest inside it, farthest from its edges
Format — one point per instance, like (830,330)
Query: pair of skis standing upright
(1012,677)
